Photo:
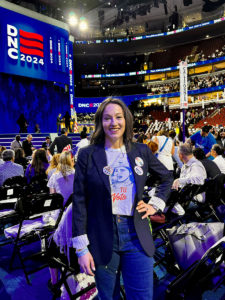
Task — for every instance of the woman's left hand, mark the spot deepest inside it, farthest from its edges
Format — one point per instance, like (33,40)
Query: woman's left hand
(147,208)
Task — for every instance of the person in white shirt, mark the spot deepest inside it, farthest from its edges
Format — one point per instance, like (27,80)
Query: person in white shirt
(83,143)
(165,149)
(192,171)
(217,152)
(16,144)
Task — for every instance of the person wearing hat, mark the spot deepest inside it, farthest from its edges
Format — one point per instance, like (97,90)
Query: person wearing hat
(204,139)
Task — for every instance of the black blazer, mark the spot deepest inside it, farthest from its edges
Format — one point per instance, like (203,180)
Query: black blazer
(27,147)
(60,142)
(44,145)
(92,204)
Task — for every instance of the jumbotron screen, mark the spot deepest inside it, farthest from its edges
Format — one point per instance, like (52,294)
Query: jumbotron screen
(33,48)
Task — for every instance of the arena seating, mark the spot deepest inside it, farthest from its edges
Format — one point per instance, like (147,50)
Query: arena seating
(218,118)
(38,138)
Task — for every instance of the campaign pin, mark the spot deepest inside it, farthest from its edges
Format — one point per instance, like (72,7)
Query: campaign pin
(138,170)
(139,161)
(107,170)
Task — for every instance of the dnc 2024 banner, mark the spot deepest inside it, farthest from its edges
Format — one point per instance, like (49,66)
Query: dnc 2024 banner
(32,48)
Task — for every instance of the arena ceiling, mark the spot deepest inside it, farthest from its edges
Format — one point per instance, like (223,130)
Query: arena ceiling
(115,17)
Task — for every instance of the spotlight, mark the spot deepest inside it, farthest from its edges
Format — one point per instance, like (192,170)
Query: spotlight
(83,24)
(73,19)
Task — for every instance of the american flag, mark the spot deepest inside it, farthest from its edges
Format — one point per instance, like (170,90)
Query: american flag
(75,126)
(67,148)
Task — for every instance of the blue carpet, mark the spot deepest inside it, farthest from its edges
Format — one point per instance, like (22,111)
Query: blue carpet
(13,285)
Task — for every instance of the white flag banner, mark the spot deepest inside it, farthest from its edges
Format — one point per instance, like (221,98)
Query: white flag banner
(183,85)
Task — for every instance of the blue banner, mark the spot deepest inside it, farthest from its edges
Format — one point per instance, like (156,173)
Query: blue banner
(32,48)
(90,105)
(71,78)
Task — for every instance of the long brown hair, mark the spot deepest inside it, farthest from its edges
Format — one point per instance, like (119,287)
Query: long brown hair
(98,136)
(38,161)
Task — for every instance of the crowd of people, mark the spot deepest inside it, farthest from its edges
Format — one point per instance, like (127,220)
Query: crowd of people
(195,83)
(113,165)
(217,53)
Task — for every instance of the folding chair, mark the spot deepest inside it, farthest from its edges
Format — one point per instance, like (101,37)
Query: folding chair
(206,274)
(183,197)
(16,180)
(31,228)
(61,262)
(214,194)
(66,271)
(8,198)
(38,184)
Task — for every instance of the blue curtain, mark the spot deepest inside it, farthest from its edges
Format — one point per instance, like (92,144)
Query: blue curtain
(39,101)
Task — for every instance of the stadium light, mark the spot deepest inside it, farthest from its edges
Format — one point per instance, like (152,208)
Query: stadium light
(73,19)
(83,24)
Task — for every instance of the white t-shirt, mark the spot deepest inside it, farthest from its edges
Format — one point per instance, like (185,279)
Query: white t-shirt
(61,185)
(220,161)
(165,156)
(81,144)
(122,182)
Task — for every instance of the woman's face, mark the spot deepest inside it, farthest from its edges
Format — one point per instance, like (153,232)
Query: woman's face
(113,122)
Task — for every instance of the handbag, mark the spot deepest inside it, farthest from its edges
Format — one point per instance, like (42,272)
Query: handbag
(77,284)
(189,242)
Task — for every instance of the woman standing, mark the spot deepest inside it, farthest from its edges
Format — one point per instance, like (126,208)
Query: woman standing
(165,149)
(111,230)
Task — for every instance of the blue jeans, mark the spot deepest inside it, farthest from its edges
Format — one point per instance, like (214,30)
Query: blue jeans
(129,259)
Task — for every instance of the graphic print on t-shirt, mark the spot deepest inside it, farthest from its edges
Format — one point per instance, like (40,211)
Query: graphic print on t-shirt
(121,178)
(122,186)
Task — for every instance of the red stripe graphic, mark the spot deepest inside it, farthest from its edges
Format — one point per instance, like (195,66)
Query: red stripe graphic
(31,43)
(31,51)
(30,35)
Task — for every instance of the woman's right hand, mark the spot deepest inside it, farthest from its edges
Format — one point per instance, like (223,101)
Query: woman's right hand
(87,264)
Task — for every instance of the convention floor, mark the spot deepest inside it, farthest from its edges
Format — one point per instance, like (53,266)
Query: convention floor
(13,285)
